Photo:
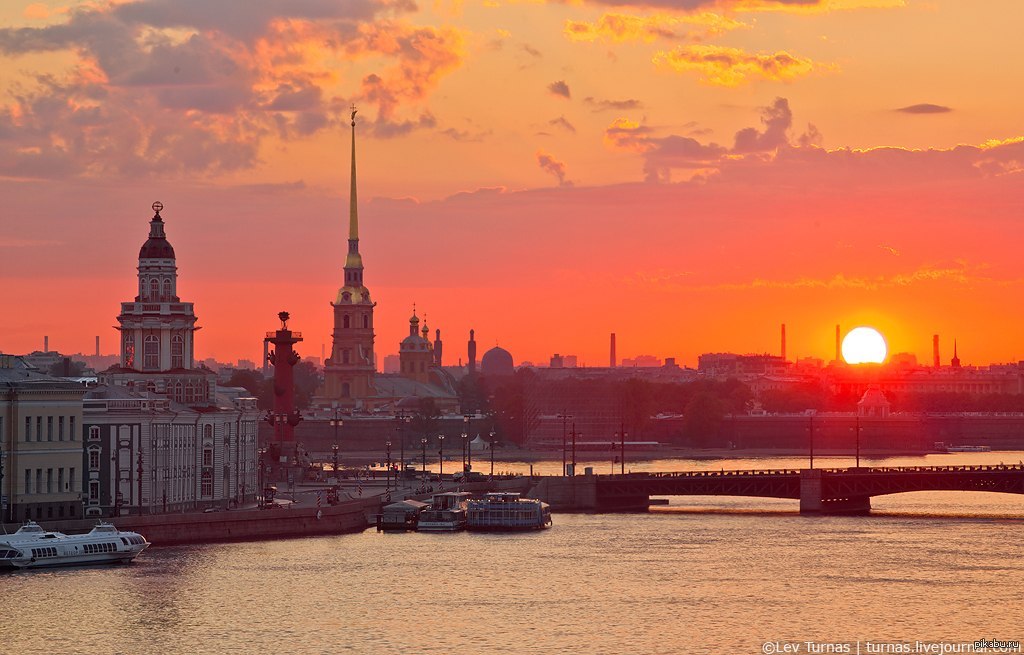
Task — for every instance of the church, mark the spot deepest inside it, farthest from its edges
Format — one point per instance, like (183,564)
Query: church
(351,380)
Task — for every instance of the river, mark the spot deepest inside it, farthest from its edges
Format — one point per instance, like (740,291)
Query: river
(702,575)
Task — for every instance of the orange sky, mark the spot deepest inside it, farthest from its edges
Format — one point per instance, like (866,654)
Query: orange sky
(686,173)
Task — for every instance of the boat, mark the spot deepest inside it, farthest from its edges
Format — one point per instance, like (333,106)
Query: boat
(507,511)
(400,516)
(447,513)
(969,449)
(33,547)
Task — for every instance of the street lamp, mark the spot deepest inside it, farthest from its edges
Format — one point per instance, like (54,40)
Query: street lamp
(423,443)
(334,454)
(564,418)
(387,444)
(857,430)
(403,420)
(810,432)
(467,434)
(440,455)
(492,453)
(261,495)
(337,423)
(622,457)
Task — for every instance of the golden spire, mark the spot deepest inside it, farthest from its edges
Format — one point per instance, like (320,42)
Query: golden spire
(353,210)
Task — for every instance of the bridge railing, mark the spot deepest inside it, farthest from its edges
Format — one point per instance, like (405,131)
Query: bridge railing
(828,471)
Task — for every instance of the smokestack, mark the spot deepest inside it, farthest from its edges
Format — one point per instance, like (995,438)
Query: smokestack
(46,344)
(839,346)
(783,341)
(612,357)
(935,351)
(97,345)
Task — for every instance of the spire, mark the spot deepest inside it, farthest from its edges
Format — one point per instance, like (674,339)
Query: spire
(353,209)
(353,262)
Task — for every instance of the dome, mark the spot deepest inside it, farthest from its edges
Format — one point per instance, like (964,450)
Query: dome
(497,361)
(156,246)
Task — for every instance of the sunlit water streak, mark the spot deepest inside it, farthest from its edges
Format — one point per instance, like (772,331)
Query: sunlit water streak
(702,575)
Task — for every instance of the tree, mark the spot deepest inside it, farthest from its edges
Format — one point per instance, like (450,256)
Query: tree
(637,399)
(307,381)
(67,368)
(424,420)
(703,418)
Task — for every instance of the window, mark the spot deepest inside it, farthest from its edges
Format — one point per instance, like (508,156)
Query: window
(346,390)
(28,481)
(154,289)
(39,428)
(71,478)
(167,289)
(129,350)
(49,481)
(94,433)
(207,456)
(39,481)
(207,484)
(60,480)
(60,428)
(94,491)
(94,459)
(366,320)
(71,422)
(151,353)
(28,428)
(177,352)
(49,428)
(345,321)
(345,356)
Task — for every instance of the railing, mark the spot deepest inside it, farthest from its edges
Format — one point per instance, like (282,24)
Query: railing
(296,335)
(830,471)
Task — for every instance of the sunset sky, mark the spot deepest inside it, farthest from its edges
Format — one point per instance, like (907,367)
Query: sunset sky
(688,174)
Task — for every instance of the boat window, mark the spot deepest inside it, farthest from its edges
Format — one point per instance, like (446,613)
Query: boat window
(124,541)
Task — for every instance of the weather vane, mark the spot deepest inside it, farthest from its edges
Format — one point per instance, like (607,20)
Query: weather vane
(157,206)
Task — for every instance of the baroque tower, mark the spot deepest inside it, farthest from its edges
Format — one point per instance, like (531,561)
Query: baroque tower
(158,330)
(350,369)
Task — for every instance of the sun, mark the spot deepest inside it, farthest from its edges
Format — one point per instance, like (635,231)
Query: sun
(864,345)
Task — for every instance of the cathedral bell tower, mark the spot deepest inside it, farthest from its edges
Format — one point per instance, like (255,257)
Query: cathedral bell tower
(350,369)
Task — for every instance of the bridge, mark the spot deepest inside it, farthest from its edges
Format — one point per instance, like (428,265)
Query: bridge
(820,491)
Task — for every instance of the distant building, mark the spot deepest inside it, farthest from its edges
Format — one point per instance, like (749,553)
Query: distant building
(392,364)
(642,361)
(497,362)
(247,364)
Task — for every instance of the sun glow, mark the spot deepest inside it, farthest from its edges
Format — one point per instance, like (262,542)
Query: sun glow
(864,345)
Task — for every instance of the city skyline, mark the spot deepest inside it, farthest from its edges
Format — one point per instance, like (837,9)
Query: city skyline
(839,184)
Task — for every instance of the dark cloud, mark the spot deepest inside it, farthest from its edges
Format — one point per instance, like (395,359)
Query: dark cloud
(551,165)
(777,120)
(612,105)
(563,123)
(925,108)
(559,88)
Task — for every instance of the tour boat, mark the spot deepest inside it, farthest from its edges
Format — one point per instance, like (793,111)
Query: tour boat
(507,511)
(447,513)
(33,547)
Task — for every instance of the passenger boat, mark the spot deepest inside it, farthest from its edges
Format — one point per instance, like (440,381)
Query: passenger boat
(447,513)
(33,547)
(507,511)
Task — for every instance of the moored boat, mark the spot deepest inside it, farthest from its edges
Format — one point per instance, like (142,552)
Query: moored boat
(447,513)
(505,511)
(33,547)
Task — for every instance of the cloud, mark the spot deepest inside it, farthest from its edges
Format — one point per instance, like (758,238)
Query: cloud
(788,6)
(210,81)
(563,123)
(777,120)
(662,154)
(612,105)
(551,165)
(560,88)
(619,28)
(718,65)
(925,108)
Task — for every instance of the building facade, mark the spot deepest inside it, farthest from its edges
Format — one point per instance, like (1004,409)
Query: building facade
(40,445)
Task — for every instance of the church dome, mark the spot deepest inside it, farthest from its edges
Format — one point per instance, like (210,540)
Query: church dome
(497,361)
(156,246)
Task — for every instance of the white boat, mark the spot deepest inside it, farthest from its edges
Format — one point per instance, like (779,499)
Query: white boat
(447,513)
(33,547)
(507,511)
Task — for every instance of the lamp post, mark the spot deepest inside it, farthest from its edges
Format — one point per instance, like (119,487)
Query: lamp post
(810,431)
(387,445)
(564,418)
(334,456)
(622,455)
(857,430)
(261,496)
(467,419)
(423,442)
(440,456)
(492,453)
(337,423)
(574,448)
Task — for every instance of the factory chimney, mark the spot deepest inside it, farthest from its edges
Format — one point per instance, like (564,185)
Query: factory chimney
(612,356)
(783,342)
(839,346)
(935,351)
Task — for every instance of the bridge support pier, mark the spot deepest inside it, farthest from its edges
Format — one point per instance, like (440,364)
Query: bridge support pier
(812,500)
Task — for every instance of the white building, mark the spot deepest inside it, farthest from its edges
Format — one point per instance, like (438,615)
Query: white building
(159,436)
